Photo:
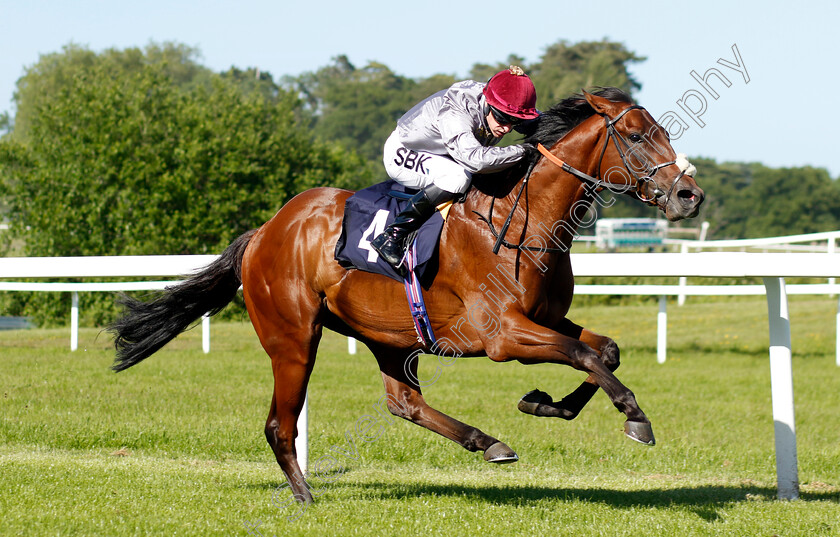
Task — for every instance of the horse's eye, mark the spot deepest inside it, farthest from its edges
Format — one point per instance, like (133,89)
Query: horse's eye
(635,137)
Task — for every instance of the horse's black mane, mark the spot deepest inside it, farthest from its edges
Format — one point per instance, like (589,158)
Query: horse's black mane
(558,120)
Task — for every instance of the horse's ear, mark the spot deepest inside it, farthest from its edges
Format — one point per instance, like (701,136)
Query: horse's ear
(601,105)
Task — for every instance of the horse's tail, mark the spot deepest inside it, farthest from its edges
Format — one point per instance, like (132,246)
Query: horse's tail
(145,327)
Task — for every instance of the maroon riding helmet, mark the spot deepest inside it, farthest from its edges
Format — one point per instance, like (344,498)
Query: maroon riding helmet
(511,92)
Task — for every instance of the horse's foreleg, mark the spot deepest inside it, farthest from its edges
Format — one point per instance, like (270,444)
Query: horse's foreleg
(405,400)
(539,403)
(523,340)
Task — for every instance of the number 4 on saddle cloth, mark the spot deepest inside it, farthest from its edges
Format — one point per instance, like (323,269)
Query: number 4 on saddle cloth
(366,214)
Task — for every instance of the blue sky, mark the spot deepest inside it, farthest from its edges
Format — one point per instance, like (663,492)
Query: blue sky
(789,52)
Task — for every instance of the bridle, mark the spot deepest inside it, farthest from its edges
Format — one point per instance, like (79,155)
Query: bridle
(619,141)
(597,182)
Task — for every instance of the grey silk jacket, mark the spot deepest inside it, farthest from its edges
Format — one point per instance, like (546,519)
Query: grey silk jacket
(453,122)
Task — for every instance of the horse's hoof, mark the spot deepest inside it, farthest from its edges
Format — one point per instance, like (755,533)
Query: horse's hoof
(500,453)
(539,403)
(531,401)
(640,432)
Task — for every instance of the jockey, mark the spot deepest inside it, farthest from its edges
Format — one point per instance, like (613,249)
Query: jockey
(440,143)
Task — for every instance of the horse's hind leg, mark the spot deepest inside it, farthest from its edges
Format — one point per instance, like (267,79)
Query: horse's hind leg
(292,365)
(291,375)
(539,403)
(405,400)
(290,337)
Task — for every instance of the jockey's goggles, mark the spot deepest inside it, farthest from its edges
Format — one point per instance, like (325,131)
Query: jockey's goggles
(505,119)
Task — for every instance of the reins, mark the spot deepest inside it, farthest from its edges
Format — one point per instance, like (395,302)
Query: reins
(595,181)
(500,237)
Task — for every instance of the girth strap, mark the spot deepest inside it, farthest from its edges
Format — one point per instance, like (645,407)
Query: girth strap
(416,304)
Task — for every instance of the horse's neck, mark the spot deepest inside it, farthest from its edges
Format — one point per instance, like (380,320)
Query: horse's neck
(564,194)
(555,202)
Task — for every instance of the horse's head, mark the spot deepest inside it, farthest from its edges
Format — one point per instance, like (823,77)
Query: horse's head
(637,158)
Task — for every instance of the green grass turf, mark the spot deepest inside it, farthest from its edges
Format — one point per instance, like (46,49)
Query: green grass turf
(175,445)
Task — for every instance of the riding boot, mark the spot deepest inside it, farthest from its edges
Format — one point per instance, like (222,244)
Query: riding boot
(391,243)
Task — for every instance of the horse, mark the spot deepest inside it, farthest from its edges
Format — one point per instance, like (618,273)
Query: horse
(507,304)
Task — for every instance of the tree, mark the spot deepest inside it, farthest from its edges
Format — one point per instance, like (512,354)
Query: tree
(750,200)
(790,201)
(566,68)
(482,72)
(255,80)
(141,161)
(359,108)
(5,124)
(57,70)
(725,185)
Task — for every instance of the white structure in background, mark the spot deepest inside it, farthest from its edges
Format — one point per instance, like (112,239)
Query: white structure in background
(615,233)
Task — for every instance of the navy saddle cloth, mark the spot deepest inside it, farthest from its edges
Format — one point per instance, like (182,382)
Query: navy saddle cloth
(366,214)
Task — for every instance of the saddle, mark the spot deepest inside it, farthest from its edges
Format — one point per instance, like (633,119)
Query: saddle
(366,214)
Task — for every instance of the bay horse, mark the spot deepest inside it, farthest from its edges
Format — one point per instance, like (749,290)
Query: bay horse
(293,287)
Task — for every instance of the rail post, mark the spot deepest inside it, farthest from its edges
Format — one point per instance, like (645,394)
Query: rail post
(205,333)
(683,279)
(662,330)
(837,336)
(302,440)
(781,386)
(74,321)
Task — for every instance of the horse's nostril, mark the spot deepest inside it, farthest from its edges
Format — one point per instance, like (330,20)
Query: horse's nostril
(687,196)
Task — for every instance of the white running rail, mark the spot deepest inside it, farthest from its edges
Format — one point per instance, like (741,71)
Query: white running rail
(772,267)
